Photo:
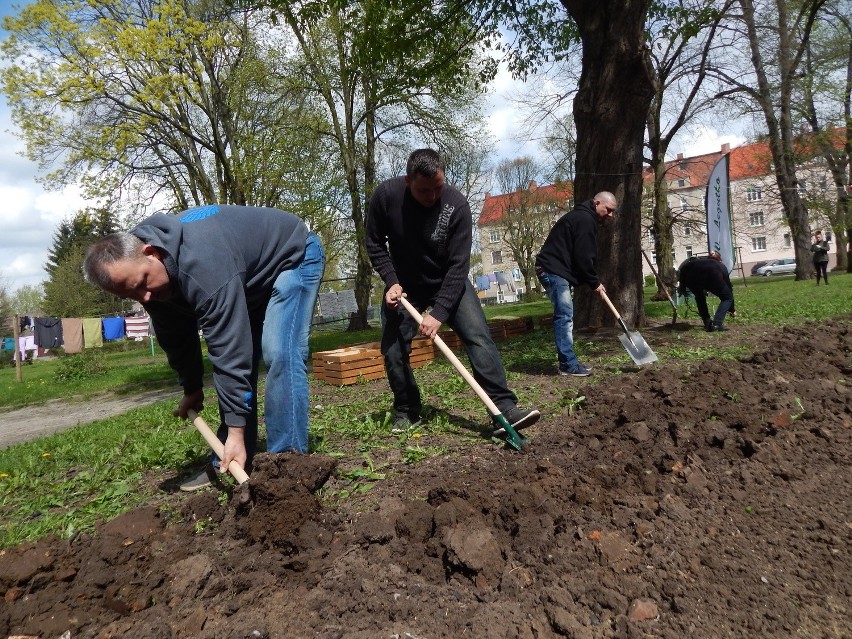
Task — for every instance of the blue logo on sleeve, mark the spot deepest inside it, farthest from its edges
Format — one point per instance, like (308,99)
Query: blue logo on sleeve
(199,213)
(248,398)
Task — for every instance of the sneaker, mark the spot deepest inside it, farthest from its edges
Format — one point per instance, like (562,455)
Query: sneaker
(202,480)
(519,418)
(719,327)
(577,371)
(402,423)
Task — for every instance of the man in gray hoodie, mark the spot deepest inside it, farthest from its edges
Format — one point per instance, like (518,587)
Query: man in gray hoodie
(248,279)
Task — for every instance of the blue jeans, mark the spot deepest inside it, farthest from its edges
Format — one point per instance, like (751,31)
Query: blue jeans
(468,321)
(560,294)
(285,350)
(281,335)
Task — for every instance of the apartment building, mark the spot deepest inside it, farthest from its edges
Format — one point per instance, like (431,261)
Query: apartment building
(760,231)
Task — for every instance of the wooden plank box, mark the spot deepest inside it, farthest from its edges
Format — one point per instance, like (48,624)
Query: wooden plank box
(363,362)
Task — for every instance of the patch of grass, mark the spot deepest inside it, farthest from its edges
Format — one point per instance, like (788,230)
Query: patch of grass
(64,483)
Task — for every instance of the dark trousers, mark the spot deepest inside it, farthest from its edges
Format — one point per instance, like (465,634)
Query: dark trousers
(821,267)
(726,300)
(468,321)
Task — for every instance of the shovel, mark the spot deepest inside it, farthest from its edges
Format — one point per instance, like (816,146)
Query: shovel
(234,468)
(636,346)
(513,438)
(662,286)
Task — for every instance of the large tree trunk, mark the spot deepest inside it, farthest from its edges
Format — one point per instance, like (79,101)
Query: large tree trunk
(610,111)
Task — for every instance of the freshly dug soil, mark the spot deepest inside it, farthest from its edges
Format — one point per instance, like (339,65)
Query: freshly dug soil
(679,500)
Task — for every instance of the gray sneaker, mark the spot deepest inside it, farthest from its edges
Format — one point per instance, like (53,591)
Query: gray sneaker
(519,418)
(200,481)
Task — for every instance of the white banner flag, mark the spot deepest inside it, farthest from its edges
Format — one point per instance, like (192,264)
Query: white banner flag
(717,202)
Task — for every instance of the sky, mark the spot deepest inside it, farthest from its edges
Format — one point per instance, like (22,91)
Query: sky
(30,214)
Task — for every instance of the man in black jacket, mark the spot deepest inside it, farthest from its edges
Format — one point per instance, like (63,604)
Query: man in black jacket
(419,234)
(566,260)
(708,274)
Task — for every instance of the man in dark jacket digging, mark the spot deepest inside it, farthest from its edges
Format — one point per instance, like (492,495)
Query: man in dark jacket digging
(708,274)
(419,234)
(248,278)
(567,259)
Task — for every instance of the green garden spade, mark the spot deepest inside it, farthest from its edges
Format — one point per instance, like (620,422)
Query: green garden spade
(511,437)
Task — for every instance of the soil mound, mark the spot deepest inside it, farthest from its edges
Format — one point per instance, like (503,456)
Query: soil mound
(682,500)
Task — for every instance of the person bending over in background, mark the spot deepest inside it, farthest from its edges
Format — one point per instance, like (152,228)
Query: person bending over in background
(707,274)
(248,277)
(419,234)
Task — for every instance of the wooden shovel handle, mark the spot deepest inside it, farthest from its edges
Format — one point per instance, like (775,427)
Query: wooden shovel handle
(210,437)
(448,353)
(611,307)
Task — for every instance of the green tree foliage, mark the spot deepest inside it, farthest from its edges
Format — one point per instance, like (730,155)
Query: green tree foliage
(79,230)
(384,70)
(67,294)
(174,99)
(6,308)
(28,300)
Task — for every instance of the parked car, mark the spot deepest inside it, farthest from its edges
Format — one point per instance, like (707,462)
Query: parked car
(778,267)
(757,265)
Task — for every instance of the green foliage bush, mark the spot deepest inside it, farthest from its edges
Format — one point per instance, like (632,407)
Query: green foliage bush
(86,365)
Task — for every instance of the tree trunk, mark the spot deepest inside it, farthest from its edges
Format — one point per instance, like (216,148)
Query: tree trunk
(610,111)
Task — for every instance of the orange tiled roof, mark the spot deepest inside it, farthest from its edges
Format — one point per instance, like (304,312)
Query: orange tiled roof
(495,205)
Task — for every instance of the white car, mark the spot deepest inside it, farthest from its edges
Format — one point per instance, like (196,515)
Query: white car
(778,267)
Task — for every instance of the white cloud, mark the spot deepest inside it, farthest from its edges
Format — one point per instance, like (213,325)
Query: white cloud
(702,138)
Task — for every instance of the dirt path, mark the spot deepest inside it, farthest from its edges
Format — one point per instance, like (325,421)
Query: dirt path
(32,422)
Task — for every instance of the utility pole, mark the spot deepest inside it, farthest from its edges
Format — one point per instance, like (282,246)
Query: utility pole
(16,331)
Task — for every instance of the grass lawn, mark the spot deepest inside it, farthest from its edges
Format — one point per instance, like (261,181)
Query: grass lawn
(65,483)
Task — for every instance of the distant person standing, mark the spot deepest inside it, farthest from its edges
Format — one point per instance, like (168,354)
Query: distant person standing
(820,250)
(567,259)
(708,274)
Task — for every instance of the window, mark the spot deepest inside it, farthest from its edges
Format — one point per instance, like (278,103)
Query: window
(682,203)
(681,182)
(654,258)
(753,194)
(651,235)
(496,257)
(494,236)
(823,184)
(787,241)
(756,218)
(689,251)
(803,187)
(828,236)
(687,230)
(758,243)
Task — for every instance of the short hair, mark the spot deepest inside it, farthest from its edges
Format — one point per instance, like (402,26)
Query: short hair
(425,162)
(715,255)
(606,195)
(106,251)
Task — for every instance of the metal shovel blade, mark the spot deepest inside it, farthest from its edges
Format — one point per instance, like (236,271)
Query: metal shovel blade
(638,348)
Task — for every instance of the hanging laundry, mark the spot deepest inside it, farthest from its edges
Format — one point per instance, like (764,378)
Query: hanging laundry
(482,282)
(8,344)
(48,332)
(113,328)
(136,326)
(72,335)
(93,336)
(27,343)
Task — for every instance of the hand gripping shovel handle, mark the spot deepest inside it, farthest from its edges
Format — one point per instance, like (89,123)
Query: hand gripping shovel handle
(210,437)
(512,437)
(618,317)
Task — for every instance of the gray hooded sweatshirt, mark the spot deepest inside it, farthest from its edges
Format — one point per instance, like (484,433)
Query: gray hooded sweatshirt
(222,262)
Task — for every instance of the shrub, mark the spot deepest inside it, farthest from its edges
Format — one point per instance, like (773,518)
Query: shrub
(86,365)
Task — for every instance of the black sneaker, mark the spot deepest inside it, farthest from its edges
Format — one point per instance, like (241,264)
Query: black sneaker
(402,423)
(200,481)
(518,418)
(719,327)
(577,371)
